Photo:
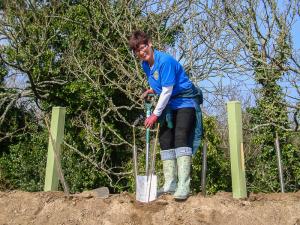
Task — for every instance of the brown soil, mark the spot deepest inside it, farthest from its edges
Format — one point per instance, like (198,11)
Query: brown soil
(55,208)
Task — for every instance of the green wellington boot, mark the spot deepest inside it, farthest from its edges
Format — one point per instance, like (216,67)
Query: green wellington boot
(170,176)
(184,177)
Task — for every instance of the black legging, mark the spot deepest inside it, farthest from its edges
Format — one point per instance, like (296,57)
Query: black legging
(179,135)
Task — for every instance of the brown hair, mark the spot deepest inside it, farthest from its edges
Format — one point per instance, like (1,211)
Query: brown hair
(138,38)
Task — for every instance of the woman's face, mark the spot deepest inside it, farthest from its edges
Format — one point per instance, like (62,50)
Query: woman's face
(145,52)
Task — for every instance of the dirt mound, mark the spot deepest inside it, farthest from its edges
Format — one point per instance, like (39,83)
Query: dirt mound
(55,208)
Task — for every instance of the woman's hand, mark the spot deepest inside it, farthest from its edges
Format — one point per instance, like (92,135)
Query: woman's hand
(150,121)
(146,93)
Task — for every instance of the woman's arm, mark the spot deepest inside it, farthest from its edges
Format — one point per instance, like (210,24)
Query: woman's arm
(163,100)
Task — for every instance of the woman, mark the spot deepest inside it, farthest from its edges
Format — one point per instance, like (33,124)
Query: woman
(177,93)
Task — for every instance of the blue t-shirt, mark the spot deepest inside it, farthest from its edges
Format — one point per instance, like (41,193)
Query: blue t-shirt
(166,72)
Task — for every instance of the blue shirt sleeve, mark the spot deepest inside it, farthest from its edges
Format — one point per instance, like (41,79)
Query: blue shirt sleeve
(167,73)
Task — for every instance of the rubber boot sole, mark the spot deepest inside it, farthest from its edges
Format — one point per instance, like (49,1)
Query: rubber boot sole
(181,198)
(165,193)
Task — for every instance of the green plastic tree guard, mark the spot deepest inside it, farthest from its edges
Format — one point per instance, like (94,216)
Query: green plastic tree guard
(236,149)
(56,136)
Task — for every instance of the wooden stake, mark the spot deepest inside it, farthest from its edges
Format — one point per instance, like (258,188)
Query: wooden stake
(280,171)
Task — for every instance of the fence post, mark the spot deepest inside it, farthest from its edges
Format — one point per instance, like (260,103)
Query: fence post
(236,149)
(204,169)
(56,136)
(280,170)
